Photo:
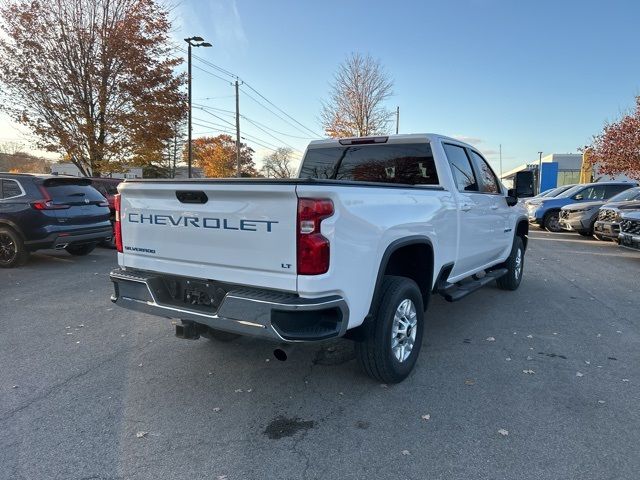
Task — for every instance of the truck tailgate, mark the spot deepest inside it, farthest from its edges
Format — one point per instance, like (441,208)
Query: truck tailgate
(242,233)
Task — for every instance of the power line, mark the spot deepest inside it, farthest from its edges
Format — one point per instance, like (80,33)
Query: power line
(276,131)
(210,73)
(207,107)
(216,116)
(236,77)
(279,109)
(274,113)
(227,130)
(271,135)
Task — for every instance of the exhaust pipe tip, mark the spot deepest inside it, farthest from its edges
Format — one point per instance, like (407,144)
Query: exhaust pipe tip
(280,354)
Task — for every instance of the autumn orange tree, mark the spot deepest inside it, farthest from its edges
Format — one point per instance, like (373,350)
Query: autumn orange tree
(217,157)
(93,79)
(616,150)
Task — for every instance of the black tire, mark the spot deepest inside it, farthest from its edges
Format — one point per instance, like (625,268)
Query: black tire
(219,335)
(80,250)
(551,221)
(511,280)
(374,351)
(13,252)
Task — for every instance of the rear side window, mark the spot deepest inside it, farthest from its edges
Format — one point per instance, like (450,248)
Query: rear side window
(461,168)
(406,164)
(612,190)
(72,192)
(489,182)
(10,189)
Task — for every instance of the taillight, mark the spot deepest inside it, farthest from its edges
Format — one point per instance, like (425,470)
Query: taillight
(117,226)
(48,205)
(313,247)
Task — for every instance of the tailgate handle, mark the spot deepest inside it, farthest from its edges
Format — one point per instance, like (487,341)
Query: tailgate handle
(191,196)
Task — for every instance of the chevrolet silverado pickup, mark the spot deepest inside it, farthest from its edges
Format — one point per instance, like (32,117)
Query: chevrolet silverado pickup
(353,247)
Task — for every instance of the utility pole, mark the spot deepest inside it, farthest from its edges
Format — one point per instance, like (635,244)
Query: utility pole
(199,43)
(539,172)
(397,119)
(237,130)
(500,162)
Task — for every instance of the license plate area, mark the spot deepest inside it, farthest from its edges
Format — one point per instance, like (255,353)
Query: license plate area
(190,293)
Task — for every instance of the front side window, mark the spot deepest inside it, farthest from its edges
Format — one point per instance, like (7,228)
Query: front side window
(461,168)
(488,178)
(406,164)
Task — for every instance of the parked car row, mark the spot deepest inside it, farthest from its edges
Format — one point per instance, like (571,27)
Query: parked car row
(51,211)
(605,210)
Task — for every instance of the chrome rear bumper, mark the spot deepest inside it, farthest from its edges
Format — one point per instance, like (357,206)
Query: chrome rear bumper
(279,316)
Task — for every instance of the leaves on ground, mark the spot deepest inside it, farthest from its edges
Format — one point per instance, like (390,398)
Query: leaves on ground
(529,336)
(142,434)
(529,372)
(503,432)
(491,339)
(579,374)
(426,417)
(406,452)
(469,381)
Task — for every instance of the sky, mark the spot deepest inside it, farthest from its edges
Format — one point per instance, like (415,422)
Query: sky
(530,76)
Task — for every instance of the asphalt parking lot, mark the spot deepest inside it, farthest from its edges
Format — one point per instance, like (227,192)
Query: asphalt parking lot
(91,391)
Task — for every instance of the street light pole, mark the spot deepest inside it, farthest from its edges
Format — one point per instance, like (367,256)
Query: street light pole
(199,43)
(189,95)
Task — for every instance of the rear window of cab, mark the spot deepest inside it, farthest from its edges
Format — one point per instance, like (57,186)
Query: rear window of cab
(405,164)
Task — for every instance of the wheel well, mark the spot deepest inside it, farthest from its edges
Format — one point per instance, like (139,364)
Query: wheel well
(414,261)
(522,230)
(13,227)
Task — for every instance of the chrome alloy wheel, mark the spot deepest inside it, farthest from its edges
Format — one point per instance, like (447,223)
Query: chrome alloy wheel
(403,330)
(518,267)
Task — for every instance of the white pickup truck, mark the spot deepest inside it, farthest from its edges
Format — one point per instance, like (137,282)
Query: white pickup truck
(354,247)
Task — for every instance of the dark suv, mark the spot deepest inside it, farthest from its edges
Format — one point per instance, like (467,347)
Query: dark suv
(49,211)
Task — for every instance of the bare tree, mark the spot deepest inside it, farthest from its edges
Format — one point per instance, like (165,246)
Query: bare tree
(93,79)
(355,107)
(278,164)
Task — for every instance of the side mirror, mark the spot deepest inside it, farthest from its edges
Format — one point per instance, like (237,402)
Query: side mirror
(523,184)
(511,197)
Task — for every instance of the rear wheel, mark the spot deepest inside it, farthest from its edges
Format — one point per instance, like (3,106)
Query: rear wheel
(12,249)
(393,338)
(551,222)
(80,250)
(514,265)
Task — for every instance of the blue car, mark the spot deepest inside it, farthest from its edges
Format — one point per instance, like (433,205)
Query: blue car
(546,211)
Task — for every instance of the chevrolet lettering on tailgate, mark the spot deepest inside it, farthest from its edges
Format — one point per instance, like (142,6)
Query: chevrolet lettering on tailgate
(206,222)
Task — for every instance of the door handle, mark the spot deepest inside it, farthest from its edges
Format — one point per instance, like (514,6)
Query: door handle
(465,207)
